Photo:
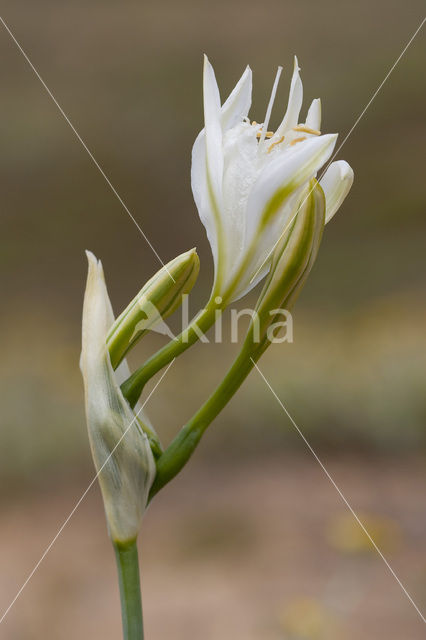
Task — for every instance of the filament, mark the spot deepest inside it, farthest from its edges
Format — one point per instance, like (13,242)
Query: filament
(270,105)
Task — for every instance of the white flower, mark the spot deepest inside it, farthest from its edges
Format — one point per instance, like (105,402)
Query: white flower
(246,179)
(120,449)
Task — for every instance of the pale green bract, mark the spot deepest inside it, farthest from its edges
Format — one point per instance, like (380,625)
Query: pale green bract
(121,451)
(247,181)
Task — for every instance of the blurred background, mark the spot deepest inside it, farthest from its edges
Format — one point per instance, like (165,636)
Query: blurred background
(251,540)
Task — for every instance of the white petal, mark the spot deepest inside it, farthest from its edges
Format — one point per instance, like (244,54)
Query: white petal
(207,162)
(127,471)
(271,201)
(238,103)
(213,131)
(288,171)
(336,184)
(265,243)
(200,190)
(295,100)
(313,119)
(240,172)
(207,169)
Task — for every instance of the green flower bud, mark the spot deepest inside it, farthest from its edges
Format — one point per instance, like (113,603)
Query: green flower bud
(157,300)
(293,258)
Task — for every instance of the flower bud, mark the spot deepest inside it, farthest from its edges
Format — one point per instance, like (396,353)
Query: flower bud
(157,300)
(293,257)
(121,451)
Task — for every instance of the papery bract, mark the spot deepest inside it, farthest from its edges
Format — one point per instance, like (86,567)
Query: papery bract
(121,450)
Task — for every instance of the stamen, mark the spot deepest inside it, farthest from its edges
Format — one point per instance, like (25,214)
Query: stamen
(268,134)
(275,143)
(270,105)
(296,140)
(305,129)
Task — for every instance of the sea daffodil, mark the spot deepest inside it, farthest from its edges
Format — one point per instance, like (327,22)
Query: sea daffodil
(249,184)
(246,180)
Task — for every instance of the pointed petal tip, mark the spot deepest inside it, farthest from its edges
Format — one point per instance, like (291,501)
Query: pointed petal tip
(330,140)
(247,73)
(330,137)
(94,265)
(325,140)
(206,65)
(92,260)
(191,252)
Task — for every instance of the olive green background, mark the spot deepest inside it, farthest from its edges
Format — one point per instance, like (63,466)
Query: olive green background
(129,77)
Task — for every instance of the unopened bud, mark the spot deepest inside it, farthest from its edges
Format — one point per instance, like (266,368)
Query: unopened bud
(294,257)
(157,300)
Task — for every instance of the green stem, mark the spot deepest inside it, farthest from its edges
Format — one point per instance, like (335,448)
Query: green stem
(182,447)
(130,591)
(133,386)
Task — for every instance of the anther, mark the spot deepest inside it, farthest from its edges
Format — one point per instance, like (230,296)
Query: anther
(305,129)
(296,140)
(275,143)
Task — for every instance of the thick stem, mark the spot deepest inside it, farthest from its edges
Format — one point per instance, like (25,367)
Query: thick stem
(130,591)
(182,447)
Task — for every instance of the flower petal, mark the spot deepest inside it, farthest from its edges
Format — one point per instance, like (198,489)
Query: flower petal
(271,203)
(240,172)
(207,170)
(200,190)
(336,184)
(295,100)
(313,119)
(286,173)
(213,131)
(238,103)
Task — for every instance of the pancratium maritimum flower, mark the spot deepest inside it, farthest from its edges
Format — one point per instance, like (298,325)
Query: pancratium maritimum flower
(246,180)
(249,184)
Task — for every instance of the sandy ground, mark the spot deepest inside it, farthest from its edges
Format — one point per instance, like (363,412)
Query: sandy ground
(263,551)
